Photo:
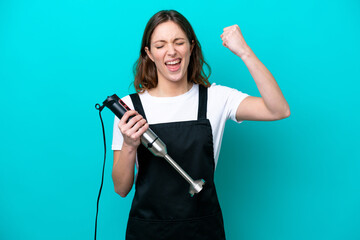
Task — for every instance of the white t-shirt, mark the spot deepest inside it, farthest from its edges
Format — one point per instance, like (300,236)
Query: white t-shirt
(221,105)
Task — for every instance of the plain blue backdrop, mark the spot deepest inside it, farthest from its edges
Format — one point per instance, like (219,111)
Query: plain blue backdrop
(298,178)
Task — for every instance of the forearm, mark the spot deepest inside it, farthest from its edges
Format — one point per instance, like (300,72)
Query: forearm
(266,83)
(123,170)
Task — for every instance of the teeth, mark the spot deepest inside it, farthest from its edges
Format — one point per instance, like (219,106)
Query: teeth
(173,62)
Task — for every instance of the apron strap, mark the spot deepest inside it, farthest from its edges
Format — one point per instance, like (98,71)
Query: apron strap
(202,102)
(137,104)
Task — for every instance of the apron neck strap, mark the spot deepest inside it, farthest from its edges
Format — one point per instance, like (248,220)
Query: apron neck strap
(202,102)
(137,104)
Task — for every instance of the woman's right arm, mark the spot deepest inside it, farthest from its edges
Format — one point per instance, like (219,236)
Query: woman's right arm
(124,159)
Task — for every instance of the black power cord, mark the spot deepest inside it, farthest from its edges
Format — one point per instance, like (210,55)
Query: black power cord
(100,108)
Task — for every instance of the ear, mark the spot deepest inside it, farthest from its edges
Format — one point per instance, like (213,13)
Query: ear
(149,54)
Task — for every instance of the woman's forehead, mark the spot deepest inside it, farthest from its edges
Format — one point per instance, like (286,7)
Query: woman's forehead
(167,31)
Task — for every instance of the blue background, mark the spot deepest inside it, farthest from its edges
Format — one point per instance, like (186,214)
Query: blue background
(297,178)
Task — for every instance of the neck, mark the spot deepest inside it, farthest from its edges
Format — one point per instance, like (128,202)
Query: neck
(170,89)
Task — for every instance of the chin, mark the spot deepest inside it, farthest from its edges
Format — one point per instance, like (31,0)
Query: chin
(174,77)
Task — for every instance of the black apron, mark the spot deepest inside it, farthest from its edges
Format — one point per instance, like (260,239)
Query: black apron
(162,208)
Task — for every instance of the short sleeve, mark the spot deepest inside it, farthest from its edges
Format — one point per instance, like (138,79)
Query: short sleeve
(227,99)
(118,139)
(234,100)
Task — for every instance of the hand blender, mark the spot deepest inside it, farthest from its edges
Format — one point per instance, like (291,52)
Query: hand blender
(152,142)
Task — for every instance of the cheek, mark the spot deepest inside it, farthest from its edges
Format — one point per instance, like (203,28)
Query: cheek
(187,52)
(187,55)
(158,58)
(155,54)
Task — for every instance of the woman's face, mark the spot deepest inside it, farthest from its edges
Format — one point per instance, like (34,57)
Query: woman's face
(170,50)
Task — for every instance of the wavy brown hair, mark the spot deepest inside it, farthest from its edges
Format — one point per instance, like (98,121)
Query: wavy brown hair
(145,69)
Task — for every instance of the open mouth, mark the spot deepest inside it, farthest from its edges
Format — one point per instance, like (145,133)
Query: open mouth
(173,65)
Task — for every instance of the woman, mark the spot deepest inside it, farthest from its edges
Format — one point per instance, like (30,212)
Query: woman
(175,97)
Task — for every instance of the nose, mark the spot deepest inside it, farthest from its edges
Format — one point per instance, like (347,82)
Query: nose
(171,50)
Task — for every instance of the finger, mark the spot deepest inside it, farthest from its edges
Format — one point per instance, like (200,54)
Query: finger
(136,131)
(224,35)
(231,27)
(134,120)
(227,28)
(141,130)
(124,127)
(126,116)
(138,125)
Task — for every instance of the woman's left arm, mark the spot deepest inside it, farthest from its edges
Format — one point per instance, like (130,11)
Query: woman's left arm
(272,104)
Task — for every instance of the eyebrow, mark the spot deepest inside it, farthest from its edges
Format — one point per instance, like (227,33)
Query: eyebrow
(165,41)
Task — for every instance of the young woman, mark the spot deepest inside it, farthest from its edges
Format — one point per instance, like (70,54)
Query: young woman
(175,97)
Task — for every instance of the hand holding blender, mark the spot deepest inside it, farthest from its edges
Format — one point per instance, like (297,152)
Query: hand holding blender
(151,141)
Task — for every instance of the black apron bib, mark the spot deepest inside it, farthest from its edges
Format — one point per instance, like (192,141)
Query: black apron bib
(162,208)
